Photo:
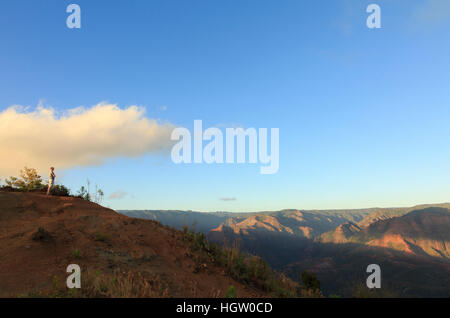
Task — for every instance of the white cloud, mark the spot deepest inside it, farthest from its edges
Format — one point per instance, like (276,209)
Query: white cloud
(41,137)
(228,199)
(118,195)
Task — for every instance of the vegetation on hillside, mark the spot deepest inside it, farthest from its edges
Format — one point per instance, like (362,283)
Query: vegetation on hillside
(30,181)
(117,285)
(246,269)
(249,269)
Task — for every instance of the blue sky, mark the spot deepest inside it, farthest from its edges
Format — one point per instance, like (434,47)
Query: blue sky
(364,115)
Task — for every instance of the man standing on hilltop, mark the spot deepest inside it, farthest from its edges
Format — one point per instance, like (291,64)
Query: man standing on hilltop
(51,180)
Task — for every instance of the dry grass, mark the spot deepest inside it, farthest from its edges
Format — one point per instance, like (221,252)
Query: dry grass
(116,285)
(123,285)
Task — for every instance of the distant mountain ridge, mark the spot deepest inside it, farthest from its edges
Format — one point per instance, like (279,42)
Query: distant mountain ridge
(424,231)
(384,214)
(288,221)
(421,232)
(203,222)
(411,244)
(302,223)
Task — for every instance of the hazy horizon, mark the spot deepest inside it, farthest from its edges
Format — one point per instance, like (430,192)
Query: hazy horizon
(292,209)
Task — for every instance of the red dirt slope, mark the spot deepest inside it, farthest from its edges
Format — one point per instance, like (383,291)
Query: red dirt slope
(99,240)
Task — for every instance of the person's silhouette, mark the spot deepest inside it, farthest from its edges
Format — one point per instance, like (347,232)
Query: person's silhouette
(51,180)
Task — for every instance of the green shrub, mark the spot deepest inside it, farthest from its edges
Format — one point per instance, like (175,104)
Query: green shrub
(41,235)
(77,254)
(310,281)
(231,292)
(101,237)
(29,180)
(60,190)
(83,193)
(245,268)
